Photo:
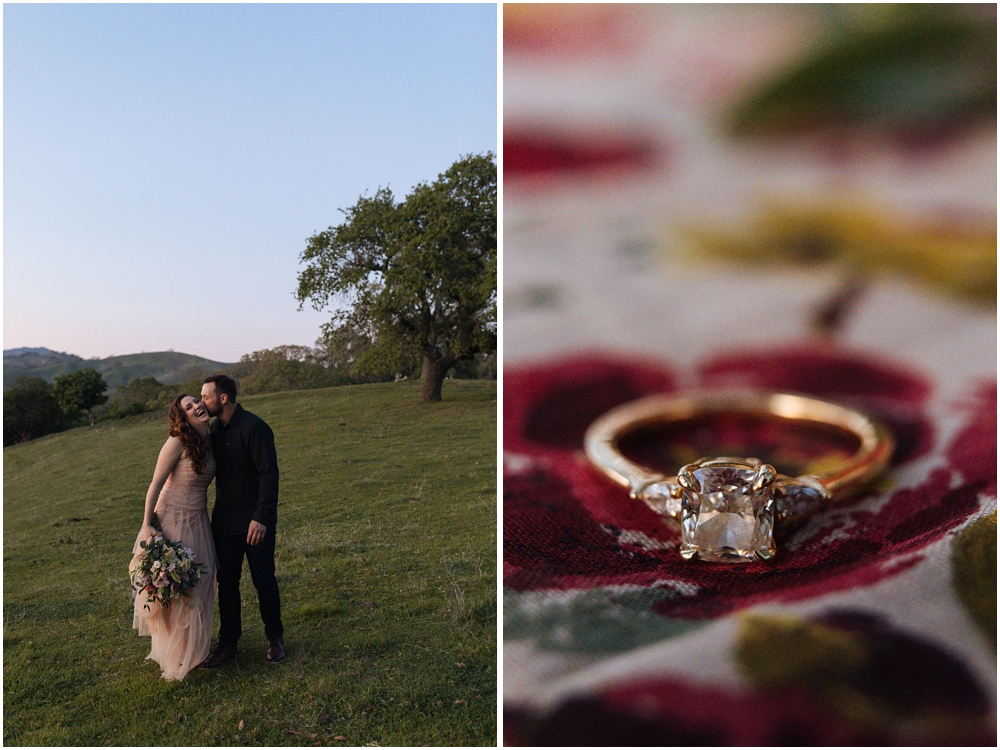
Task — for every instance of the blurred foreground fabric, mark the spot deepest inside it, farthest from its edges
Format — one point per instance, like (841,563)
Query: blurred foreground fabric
(652,246)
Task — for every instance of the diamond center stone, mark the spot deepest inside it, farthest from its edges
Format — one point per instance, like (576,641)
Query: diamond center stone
(723,518)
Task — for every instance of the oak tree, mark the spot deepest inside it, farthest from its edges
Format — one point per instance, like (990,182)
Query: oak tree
(80,391)
(419,276)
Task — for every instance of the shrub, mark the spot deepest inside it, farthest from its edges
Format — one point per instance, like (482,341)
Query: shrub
(480,366)
(116,412)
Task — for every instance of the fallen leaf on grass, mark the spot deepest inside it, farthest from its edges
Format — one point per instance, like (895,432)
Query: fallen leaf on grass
(324,719)
(340,737)
(460,702)
(313,736)
(460,664)
(241,725)
(476,698)
(292,731)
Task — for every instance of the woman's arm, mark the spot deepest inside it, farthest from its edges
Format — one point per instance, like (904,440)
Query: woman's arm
(170,454)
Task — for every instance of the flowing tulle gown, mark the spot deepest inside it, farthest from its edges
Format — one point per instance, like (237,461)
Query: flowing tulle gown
(181,635)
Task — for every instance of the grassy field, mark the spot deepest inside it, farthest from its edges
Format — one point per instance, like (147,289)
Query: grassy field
(386,561)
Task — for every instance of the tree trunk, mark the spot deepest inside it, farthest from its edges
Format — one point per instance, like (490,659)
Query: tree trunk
(433,375)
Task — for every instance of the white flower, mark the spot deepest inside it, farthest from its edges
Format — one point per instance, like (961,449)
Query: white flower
(155,565)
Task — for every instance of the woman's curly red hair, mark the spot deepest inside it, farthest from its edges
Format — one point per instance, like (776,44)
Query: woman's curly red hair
(195,446)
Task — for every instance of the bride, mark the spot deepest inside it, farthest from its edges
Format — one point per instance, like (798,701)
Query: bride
(181,632)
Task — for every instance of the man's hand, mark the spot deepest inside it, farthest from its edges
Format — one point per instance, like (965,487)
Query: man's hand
(255,534)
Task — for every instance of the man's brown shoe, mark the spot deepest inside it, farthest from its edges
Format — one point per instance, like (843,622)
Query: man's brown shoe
(275,650)
(223,653)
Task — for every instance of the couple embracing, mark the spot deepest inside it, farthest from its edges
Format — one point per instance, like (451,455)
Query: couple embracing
(238,451)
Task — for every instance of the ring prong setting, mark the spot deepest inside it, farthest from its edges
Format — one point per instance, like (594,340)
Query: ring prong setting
(686,478)
(765,477)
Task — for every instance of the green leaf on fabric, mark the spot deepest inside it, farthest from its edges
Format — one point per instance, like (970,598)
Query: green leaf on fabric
(929,67)
(974,567)
(596,621)
(860,241)
(773,651)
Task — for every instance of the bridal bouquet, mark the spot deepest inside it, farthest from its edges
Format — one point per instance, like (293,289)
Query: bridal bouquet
(165,571)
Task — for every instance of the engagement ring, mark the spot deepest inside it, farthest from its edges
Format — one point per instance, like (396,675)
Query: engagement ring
(728,508)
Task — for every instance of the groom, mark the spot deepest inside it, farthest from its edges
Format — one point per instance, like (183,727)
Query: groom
(244,516)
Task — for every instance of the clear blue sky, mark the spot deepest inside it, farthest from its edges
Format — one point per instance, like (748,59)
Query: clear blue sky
(164,164)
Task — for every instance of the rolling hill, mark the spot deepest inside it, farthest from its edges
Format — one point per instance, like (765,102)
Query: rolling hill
(167,367)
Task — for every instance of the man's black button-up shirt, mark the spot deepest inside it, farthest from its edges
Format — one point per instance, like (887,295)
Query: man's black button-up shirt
(246,474)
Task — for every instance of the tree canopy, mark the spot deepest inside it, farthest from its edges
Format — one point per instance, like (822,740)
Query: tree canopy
(418,277)
(80,391)
(30,410)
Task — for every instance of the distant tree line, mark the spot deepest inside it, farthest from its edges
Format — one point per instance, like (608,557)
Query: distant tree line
(33,407)
(339,359)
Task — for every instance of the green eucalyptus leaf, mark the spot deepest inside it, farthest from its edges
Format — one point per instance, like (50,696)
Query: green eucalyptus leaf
(974,568)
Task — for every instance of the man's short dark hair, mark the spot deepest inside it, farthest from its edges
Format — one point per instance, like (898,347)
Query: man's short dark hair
(223,384)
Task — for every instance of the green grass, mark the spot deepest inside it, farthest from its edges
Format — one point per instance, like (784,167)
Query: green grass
(386,559)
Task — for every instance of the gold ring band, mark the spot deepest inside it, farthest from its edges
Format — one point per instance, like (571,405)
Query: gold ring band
(728,507)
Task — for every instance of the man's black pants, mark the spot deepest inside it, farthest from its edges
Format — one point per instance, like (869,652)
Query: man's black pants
(230,550)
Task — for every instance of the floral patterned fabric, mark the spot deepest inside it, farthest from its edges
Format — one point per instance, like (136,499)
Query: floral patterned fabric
(645,648)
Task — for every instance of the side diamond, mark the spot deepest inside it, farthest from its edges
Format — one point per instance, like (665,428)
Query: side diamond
(662,497)
(793,499)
